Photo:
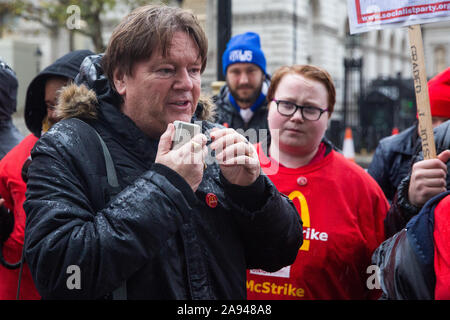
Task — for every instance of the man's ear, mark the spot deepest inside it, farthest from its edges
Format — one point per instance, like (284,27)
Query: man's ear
(119,82)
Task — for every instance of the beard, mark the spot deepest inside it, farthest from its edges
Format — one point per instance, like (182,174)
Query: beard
(247,98)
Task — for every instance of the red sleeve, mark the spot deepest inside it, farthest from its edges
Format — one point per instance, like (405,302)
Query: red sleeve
(12,188)
(442,249)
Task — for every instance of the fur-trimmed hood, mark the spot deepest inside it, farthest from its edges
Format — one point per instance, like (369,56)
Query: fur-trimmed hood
(91,85)
(66,66)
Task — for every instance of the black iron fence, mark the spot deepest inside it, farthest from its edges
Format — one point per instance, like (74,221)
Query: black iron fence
(373,109)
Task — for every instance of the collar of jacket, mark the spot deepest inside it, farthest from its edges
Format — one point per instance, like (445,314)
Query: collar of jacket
(404,142)
(419,232)
(442,138)
(125,131)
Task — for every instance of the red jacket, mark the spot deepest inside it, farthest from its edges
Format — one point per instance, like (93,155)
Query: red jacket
(342,209)
(442,249)
(12,189)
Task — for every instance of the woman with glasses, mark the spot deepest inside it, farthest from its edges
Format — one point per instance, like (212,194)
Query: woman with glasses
(341,206)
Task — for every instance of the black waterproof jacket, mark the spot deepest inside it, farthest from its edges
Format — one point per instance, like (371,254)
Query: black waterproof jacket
(392,160)
(227,114)
(156,235)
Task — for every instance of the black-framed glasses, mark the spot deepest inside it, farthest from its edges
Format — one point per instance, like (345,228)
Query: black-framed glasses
(287,108)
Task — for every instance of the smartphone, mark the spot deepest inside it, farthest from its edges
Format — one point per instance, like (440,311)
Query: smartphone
(184,132)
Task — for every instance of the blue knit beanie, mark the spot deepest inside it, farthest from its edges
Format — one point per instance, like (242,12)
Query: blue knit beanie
(244,47)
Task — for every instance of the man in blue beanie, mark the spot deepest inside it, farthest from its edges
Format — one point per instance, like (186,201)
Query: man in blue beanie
(9,135)
(241,103)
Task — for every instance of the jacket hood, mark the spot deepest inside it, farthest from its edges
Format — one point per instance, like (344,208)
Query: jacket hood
(8,91)
(35,109)
(80,99)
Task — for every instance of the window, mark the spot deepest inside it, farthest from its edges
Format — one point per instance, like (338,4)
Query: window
(440,59)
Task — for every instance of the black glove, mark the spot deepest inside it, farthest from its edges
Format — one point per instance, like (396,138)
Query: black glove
(6,223)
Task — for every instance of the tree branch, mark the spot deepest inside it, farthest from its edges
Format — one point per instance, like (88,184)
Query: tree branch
(40,20)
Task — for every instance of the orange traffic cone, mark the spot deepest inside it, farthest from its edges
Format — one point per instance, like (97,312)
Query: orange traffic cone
(394,131)
(349,148)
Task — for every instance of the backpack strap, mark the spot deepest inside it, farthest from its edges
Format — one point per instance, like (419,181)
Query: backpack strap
(111,175)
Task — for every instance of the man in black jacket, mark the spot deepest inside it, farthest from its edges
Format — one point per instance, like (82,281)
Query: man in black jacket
(241,103)
(407,260)
(172,228)
(426,179)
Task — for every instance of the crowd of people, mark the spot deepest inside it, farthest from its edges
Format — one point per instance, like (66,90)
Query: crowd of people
(257,205)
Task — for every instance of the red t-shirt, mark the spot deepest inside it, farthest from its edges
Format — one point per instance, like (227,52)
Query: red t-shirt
(342,209)
(442,249)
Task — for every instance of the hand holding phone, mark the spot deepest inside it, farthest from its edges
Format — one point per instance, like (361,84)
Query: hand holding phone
(185,158)
(184,132)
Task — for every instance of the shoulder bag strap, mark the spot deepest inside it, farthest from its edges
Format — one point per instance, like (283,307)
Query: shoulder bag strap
(121,292)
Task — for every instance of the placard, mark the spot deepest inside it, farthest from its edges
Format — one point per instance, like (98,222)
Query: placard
(366,15)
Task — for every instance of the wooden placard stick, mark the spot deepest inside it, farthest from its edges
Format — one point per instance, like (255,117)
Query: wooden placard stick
(421,89)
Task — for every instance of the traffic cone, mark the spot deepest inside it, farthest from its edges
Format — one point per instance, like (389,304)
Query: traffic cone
(394,131)
(349,148)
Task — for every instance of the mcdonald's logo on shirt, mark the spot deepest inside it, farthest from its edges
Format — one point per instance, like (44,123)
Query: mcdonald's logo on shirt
(309,233)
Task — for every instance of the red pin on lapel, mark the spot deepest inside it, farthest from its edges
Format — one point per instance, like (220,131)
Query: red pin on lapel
(211,200)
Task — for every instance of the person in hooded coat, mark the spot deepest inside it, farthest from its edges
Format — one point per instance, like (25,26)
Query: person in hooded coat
(160,227)
(410,197)
(392,159)
(39,115)
(415,261)
(10,136)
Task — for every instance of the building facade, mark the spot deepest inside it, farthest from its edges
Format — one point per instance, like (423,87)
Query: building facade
(315,32)
(292,32)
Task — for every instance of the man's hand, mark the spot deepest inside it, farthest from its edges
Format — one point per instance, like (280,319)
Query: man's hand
(237,158)
(428,178)
(188,160)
